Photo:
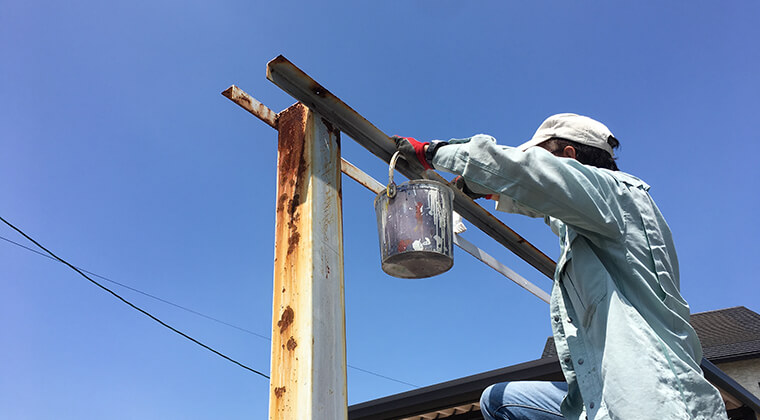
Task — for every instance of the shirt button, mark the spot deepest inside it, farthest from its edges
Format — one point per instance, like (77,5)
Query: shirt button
(580,361)
(591,405)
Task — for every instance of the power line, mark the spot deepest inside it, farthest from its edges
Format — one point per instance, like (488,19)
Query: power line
(130,303)
(192,311)
(383,376)
(184,308)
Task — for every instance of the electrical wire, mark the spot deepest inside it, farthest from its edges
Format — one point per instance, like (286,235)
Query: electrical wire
(184,308)
(192,311)
(383,376)
(130,304)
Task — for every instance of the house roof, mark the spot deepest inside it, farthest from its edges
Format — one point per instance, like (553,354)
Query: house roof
(726,335)
(738,327)
(462,395)
(459,399)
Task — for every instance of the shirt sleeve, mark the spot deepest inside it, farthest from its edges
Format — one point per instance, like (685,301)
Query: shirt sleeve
(579,195)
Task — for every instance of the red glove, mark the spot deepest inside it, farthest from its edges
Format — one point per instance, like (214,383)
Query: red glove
(409,146)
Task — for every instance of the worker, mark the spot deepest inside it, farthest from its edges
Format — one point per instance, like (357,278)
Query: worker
(621,327)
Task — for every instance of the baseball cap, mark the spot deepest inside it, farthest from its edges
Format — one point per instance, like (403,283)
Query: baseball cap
(574,127)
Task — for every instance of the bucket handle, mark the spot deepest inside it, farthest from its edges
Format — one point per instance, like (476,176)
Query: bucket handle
(390,190)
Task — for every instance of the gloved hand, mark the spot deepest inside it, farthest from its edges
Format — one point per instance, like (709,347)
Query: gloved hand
(462,186)
(413,152)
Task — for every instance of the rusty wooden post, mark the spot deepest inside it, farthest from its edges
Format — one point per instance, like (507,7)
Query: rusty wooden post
(308,379)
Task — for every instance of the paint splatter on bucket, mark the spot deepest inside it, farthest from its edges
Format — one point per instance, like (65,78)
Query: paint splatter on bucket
(415,229)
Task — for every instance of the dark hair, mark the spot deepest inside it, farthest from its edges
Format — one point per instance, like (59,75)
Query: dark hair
(587,155)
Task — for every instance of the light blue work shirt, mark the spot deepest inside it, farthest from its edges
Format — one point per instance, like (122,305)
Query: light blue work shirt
(620,325)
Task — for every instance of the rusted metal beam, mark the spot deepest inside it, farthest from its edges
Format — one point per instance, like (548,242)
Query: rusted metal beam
(361,177)
(308,367)
(250,104)
(301,86)
(262,112)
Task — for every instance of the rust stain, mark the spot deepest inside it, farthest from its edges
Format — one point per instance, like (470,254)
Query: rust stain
(294,215)
(418,212)
(286,319)
(228,92)
(292,127)
(292,344)
(281,202)
(291,173)
(301,167)
(403,244)
(279,391)
(293,206)
(330,128)
(245,99)
(293,240)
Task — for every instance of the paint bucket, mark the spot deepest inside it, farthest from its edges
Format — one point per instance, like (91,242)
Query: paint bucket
(414,223)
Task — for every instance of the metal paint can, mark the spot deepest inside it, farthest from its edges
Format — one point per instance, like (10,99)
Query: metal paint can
(414,223)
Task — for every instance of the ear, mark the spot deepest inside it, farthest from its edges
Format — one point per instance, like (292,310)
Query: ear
(568,152)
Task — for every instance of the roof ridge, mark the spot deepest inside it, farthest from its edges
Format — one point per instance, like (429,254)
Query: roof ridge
(721,310)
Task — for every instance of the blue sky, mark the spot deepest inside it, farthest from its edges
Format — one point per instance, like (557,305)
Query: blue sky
(120,154)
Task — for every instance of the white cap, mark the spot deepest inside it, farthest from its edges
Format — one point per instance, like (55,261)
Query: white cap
(574,127)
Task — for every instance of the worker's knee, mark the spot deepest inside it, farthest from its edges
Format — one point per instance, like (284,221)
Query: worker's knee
(522,400)
(491,401)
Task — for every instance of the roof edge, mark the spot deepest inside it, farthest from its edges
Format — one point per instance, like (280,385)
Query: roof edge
(719,378)
(721,310)
(452,393)
(467,389)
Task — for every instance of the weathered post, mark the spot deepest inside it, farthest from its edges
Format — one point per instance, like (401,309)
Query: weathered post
(308,374)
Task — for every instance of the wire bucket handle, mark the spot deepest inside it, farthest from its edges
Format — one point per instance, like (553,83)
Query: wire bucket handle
(390,190)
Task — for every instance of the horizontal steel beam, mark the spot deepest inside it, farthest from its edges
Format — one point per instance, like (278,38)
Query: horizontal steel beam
(361,177)
(303,88)
(247,102)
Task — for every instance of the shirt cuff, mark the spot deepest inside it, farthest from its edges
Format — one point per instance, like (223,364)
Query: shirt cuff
(432,148)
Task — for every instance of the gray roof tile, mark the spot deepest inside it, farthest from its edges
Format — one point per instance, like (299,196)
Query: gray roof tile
(725,334)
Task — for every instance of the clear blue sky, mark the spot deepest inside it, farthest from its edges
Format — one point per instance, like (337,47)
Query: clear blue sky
(120,154)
